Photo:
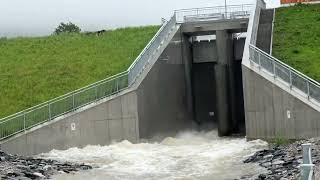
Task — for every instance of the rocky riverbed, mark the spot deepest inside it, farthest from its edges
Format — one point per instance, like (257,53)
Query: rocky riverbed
(24,168)
(282,162)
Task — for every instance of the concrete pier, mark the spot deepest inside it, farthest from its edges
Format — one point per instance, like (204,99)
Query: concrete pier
(222,74)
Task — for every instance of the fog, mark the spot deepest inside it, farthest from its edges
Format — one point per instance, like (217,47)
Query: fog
(40,17)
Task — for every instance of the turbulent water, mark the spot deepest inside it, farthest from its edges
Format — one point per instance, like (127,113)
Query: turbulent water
(189,155)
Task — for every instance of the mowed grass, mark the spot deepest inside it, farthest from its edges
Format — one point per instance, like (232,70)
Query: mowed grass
(296,39)
(35,70)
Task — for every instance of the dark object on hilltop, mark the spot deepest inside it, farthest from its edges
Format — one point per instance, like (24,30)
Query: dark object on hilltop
(97,33)
(67,28)
(18,167)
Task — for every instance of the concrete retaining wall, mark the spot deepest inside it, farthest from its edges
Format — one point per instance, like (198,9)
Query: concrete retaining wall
(113,120)
(162,95)
(273,112)
(204,51)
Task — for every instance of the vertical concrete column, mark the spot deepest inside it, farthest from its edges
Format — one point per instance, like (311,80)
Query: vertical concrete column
(187,60)
(222,82)
(234,105)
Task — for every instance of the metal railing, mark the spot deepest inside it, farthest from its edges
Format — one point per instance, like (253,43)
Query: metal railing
(294,79)
(62,105)
(213,13)
(59,106)
(148,53)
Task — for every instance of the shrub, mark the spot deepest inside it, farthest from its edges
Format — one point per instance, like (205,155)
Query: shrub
(67,28)
(280,140)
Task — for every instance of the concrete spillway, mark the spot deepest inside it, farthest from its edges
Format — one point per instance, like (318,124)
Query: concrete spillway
(199,74)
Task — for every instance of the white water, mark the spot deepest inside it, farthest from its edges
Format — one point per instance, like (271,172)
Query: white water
(189,155)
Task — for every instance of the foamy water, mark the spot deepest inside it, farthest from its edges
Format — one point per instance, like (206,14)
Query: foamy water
(189,155)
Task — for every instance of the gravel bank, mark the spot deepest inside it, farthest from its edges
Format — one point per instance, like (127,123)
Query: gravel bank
(25,168)
(282,162)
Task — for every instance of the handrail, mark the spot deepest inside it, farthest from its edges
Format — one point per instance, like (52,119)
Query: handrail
(227,12)
(143,58)
(28,110)
(147,46)
(286,65)
(211,7)
(65,95)
(294,78)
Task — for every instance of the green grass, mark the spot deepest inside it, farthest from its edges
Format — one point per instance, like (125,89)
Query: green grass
(34,70)
(296,38)
(280,140)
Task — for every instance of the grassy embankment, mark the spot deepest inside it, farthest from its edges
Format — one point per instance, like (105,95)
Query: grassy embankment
(296,38)
(34,70)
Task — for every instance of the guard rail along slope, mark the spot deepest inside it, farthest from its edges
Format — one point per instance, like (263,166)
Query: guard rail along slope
(285,74)
(47,111)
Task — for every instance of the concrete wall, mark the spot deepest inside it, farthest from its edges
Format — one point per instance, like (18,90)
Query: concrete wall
(113,120)
(204,51)
(272,112)
(162,95)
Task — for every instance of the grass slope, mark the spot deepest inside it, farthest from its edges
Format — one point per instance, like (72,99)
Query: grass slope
(297,38)
(34,70)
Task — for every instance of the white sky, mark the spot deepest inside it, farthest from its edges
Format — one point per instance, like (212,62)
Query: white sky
(40,17)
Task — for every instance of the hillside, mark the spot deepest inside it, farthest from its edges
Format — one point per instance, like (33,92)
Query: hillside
(296,38)
(34,70)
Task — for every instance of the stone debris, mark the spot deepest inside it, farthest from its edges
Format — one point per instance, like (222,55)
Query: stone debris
(26,168)
(282,162)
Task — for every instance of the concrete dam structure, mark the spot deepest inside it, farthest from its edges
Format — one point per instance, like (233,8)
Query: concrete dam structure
(205,68)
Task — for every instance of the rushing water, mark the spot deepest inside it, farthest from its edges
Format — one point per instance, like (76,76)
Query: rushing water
(189,155)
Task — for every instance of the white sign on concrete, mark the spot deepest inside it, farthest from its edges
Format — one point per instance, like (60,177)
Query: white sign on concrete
(288,114)
(73,126)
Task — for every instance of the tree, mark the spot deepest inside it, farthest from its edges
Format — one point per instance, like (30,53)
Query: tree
(67,28)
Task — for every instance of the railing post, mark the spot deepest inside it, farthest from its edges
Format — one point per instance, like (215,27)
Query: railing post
(96,92)
(259,58)
(290,79)
(73,103)
(274,69)
(24,121)
(49,106)
(117,85)
(307,166)
(308,89)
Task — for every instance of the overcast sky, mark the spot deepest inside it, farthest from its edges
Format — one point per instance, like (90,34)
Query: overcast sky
(40,17)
